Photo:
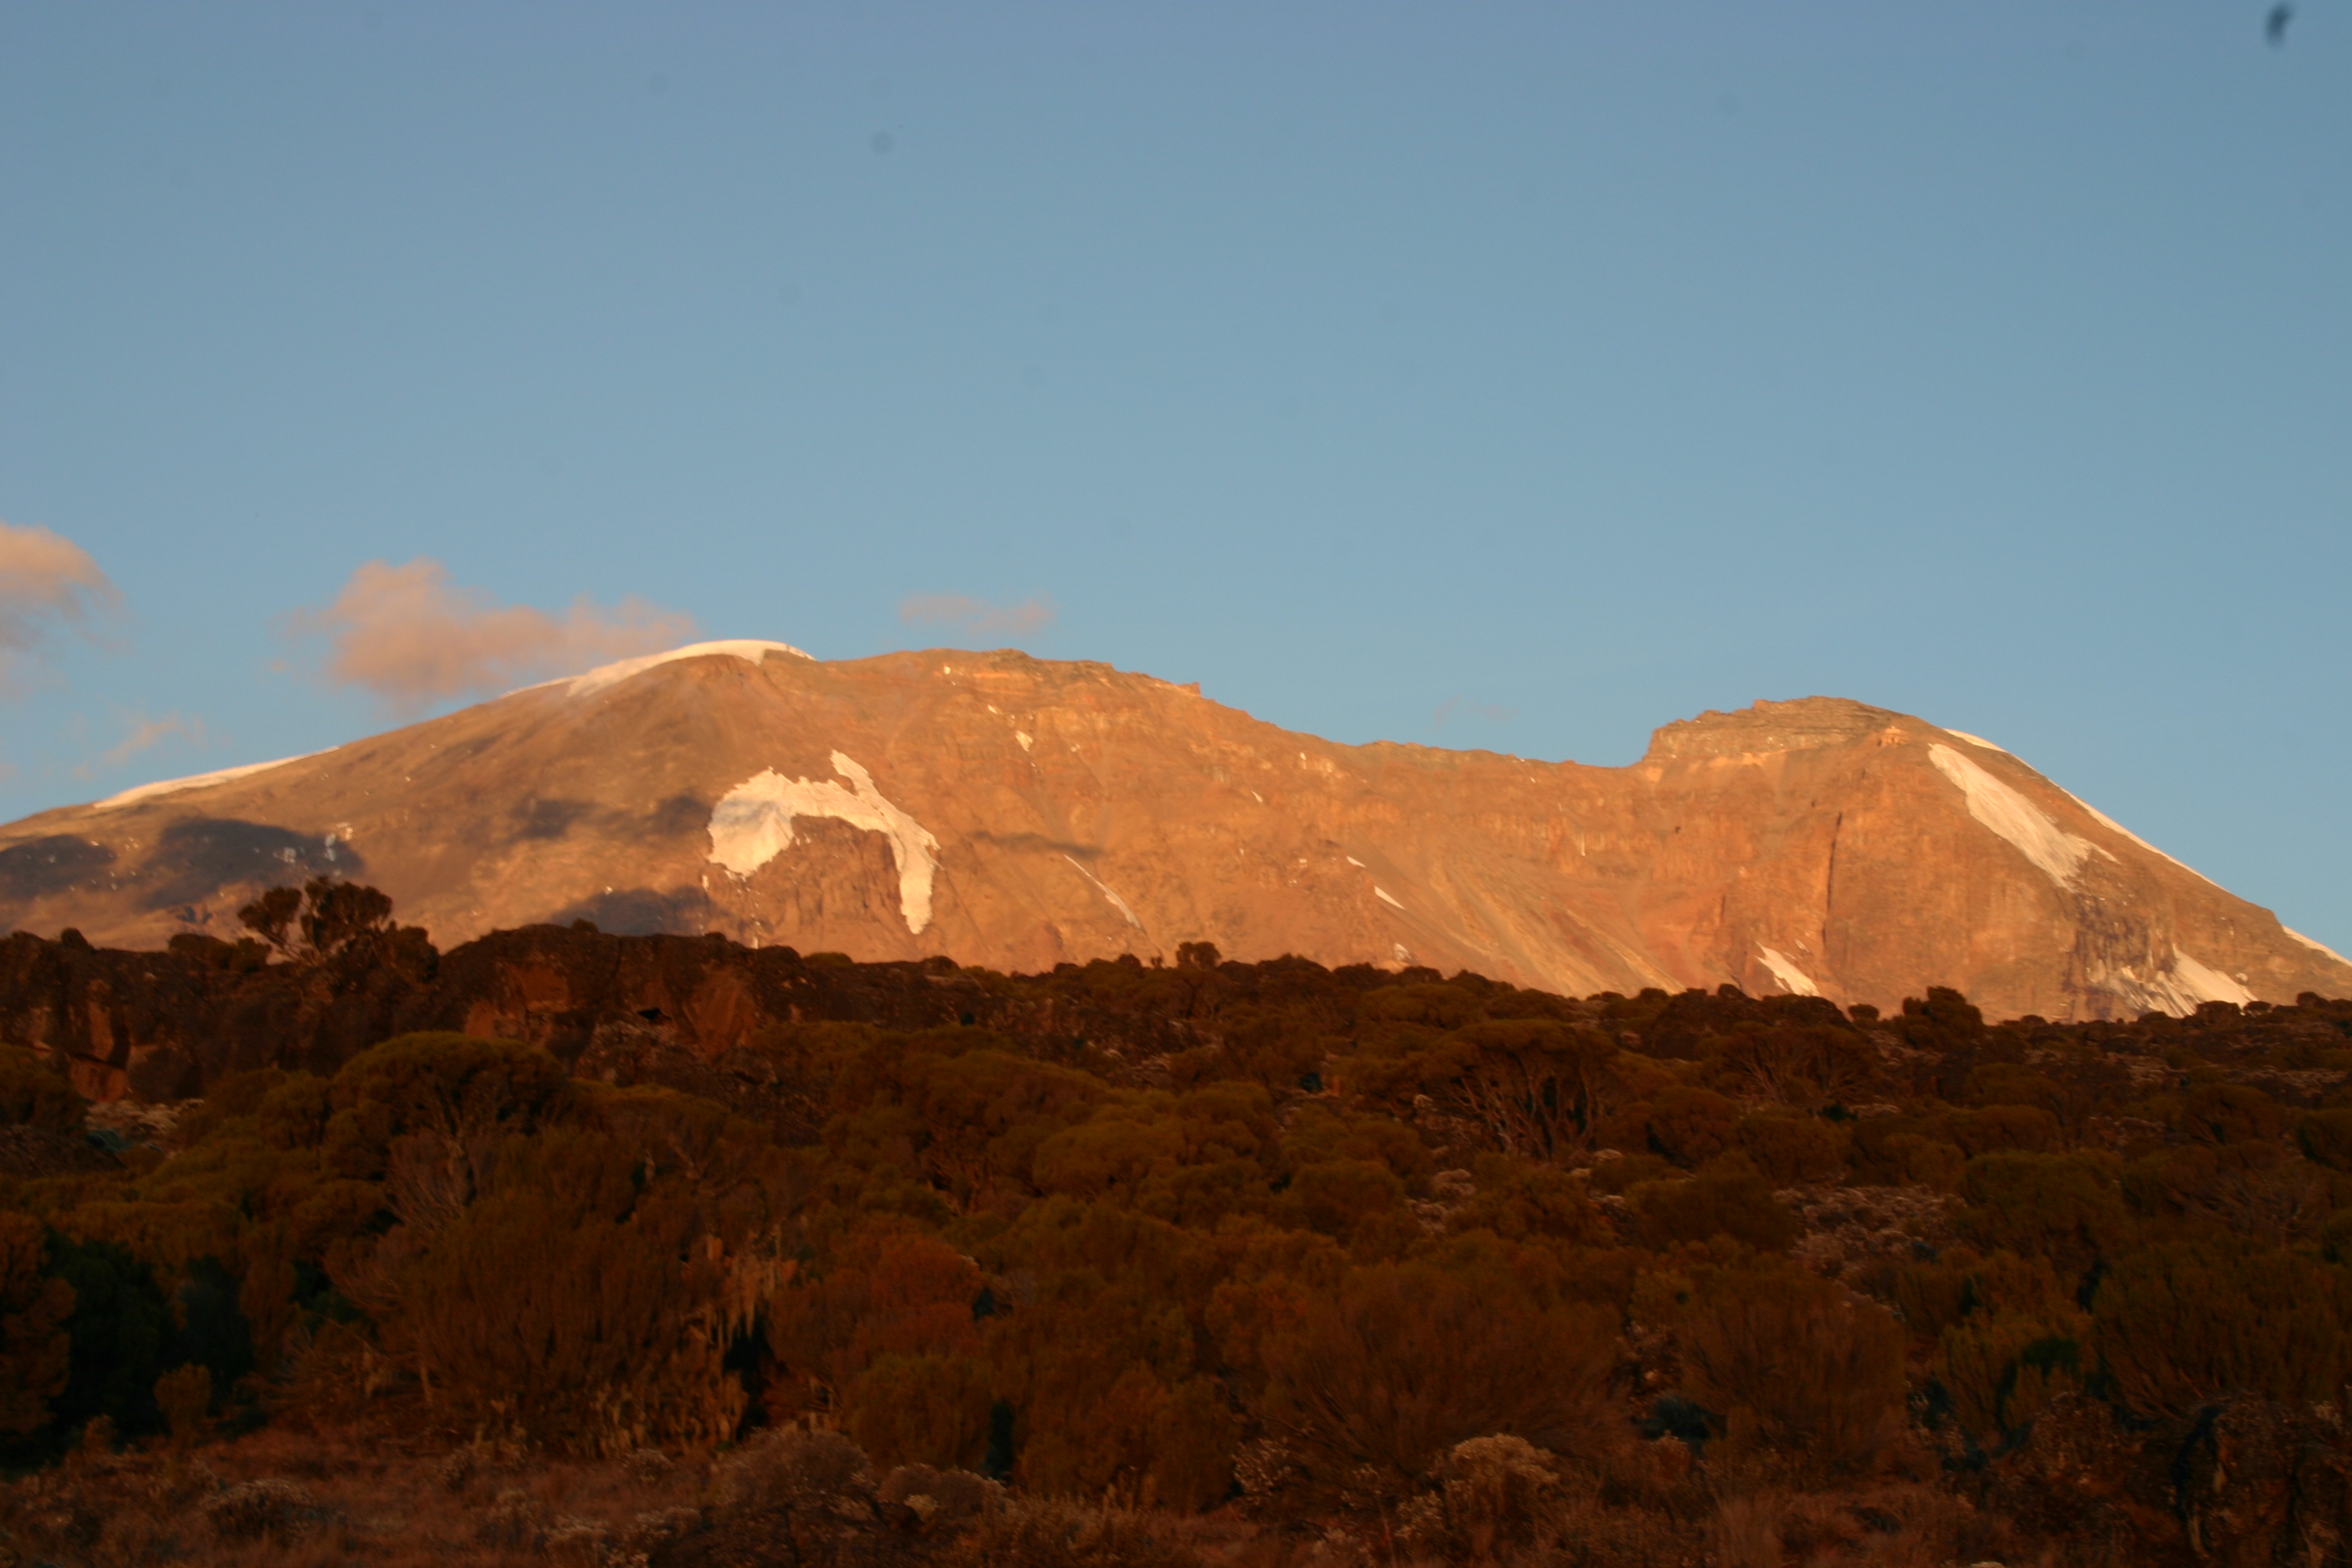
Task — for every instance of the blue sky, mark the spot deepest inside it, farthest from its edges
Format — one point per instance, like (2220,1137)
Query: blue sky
(1517,376)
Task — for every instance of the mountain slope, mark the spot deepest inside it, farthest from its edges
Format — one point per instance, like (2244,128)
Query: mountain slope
(1019,812)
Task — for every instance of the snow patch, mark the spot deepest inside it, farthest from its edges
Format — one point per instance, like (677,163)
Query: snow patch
(1793,980)
(1979,740)
(749,651)
(1351,860)
(2179,987)
(2316,946)
(752,824)
(195,781)
(1384,895)
(2028,829)
(1116,902)
(1023,736)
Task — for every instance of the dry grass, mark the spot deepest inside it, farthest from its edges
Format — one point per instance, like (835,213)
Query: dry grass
(352,1500)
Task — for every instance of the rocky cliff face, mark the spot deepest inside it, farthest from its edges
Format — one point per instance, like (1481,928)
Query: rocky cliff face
(1016,813)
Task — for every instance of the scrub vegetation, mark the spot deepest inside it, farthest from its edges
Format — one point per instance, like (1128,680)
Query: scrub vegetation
(1253,1264)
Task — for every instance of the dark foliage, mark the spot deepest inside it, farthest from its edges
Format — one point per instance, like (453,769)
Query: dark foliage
(1490,1270)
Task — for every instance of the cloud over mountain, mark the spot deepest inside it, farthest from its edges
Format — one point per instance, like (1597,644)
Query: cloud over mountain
(45,579)
(978,617)
(413,637)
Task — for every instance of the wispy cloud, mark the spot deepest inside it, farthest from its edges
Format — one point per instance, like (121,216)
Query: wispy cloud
(410,636)
(978,617)
(46,580)
(141,733)
(1455,708)
(146,732)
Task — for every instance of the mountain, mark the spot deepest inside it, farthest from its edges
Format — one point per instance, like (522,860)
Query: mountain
(1018,812)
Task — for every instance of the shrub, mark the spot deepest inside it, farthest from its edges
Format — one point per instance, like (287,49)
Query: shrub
(463,1092)
(2228,1113)
(34,1344)
(1517,1201)
(1335,1196)
(1901,1151)
(2177,1324)
(1404,1363)
(1493,1495)
(267,1510)
(2064,1207)
(120,1329)
(1690,1126)
(1726,1199)
(2325,1138)
(33,1095)
(2002,1369)
(568,1302)
(1990,1129)
(1045,1532)
(1539,1087)
(885,1293)
(1807,1065)
(1792,1366)
(922,1410)
(1793,1150)
(184,1394)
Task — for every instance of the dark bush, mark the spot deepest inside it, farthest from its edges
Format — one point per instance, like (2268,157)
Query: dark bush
(1404,1363)
(1793,1367)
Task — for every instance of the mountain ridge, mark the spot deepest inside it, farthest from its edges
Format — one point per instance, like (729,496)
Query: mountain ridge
(1018,812)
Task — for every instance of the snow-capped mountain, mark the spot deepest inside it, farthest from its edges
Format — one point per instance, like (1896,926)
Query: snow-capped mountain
(1019,812)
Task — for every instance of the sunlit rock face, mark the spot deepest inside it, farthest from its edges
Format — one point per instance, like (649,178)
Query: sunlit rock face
(1017,813)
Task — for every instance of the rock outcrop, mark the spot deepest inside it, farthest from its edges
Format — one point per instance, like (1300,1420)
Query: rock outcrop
(1016,813)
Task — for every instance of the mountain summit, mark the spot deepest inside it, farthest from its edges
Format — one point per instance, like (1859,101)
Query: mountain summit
(1018,812)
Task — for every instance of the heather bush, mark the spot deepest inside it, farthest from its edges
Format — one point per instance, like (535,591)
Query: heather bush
(1791,1149)
(2000,1370)
(2177,1324)
(2064,1207)
(1729,1197)
(1793,1369)
(1418,1267)
(1403,1363)
(1689,1125)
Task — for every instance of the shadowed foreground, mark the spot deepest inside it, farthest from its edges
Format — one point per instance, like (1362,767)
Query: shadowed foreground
(1215,1262)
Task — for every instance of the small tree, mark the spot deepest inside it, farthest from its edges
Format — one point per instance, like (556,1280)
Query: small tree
(329,916)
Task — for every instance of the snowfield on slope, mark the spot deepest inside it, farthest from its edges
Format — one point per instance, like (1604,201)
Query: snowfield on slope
(752,824)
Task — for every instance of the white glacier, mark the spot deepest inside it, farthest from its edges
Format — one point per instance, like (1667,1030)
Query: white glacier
(750,650)
(195,781)
(2059,854)
(1784,969)
(752,824)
